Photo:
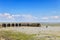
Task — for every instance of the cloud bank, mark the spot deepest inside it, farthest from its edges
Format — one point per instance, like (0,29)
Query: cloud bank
(8,17)
(17,17)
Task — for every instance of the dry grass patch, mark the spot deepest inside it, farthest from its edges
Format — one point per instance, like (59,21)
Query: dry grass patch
(11,35)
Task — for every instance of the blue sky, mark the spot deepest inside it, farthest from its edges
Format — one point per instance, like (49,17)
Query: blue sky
(29,10)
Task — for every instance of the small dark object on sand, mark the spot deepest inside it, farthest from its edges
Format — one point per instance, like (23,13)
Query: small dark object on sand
(46,26)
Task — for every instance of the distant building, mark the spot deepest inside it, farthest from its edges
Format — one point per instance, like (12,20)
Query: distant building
(20,24)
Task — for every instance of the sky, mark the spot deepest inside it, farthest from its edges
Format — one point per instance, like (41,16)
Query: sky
(29,10)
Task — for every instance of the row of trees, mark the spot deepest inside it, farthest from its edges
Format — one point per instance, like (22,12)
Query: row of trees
(21,24)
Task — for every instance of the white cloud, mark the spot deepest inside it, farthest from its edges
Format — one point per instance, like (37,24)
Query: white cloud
(55,17)
(17,15)
(44,18)
(29,17)
(8,16)
(0,14)
(51,17)
(25,17)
